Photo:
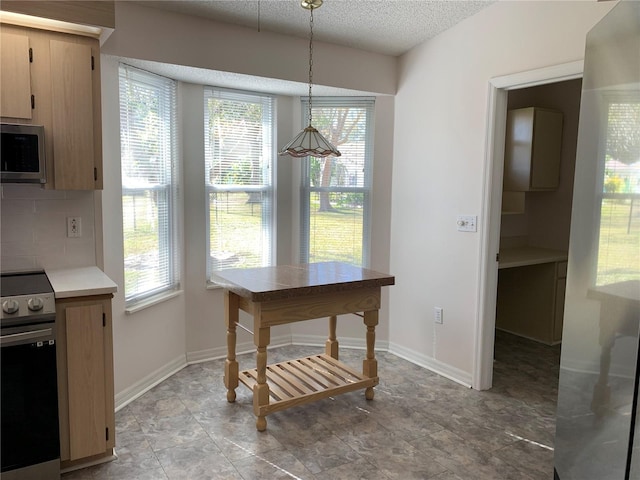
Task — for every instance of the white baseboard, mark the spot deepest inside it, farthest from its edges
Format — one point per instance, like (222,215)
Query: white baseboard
(447,371)
(221,352)
(139,388)
(142,386)
(347,342)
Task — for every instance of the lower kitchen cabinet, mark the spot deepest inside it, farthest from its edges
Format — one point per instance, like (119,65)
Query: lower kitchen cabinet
(85,379)
(530,301)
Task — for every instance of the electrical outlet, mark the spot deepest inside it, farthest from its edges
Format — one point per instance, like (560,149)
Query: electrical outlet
(74,227)
(437,314)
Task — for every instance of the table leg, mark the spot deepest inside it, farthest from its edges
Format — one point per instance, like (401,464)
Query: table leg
(331,346)
(231,365)
(261,339)
(370,364)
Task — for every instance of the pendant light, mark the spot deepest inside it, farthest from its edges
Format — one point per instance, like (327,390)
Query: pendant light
(310,142)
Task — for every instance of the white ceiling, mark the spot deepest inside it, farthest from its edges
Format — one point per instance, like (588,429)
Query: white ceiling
(390,27)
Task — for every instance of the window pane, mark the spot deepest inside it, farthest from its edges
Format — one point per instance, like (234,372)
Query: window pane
(335,211)
(236,230)
(619,237)
(147,109)
(336,234)
(239,177)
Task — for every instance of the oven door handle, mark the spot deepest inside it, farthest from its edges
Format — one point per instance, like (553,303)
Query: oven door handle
(14,338)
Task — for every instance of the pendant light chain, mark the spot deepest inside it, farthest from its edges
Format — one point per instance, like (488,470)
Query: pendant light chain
(310,61)
(310,142)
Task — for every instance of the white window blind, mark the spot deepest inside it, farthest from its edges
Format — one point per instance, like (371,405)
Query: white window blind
(336,191)
(239,151)
(149,183)
(619,237)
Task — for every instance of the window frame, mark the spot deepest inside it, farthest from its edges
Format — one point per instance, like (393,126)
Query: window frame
(168,228)
(306,189)
(267,191)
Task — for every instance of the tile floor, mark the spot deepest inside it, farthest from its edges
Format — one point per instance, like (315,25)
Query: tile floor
(419,426)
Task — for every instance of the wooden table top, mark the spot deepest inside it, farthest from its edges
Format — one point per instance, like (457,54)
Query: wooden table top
(286,281)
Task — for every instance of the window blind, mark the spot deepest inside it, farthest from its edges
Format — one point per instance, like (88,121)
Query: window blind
(149,183)
(619,235)
(336,191)
(239,151)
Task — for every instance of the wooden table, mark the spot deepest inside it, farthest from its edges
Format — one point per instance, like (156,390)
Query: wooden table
(292,293)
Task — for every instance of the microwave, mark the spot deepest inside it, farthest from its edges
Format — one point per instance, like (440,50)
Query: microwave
(22,153)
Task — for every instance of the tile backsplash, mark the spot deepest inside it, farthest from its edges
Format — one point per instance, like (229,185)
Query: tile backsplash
(33,228)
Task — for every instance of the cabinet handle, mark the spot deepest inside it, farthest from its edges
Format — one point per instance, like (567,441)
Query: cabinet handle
(33,102)
(30,55)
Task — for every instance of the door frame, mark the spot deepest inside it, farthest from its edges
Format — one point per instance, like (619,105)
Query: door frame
(482,378)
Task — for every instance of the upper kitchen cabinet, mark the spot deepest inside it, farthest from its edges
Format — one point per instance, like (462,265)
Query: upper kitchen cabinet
(15,76)
(532,150)
(64,79)
(72,112)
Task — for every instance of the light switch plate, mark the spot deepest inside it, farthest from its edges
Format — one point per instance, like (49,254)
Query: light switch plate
(467,223)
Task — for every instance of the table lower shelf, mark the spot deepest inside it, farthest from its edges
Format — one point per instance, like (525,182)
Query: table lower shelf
(296,382)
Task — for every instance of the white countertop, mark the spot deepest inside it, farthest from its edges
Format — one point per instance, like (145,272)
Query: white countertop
(522,256)
(80,282)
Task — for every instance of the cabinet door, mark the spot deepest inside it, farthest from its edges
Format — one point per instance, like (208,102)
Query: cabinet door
(546,149)
(86,380)
(532,150)
(72,115)
(525,301)
(15,76)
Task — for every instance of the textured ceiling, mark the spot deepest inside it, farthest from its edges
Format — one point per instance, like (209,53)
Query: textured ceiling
(390,27)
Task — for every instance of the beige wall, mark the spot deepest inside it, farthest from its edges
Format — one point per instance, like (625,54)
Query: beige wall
(440,164)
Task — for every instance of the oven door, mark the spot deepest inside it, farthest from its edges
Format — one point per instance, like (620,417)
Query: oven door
(29,402)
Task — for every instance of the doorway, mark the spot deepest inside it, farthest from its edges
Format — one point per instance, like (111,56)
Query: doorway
(546,87)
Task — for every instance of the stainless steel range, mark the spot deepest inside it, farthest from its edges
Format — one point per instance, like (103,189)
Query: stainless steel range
(30,438)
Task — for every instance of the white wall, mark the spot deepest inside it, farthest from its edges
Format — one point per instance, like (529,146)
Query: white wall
(153,342)
(149,343)
(439,165)
(151,34)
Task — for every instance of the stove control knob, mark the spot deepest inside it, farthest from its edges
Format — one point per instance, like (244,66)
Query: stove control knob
(35,304)
(10,306)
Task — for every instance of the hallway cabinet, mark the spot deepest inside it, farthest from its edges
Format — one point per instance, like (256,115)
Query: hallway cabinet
(532,150)
(530,301)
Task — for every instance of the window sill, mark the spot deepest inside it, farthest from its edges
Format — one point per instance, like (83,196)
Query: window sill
(152,301)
